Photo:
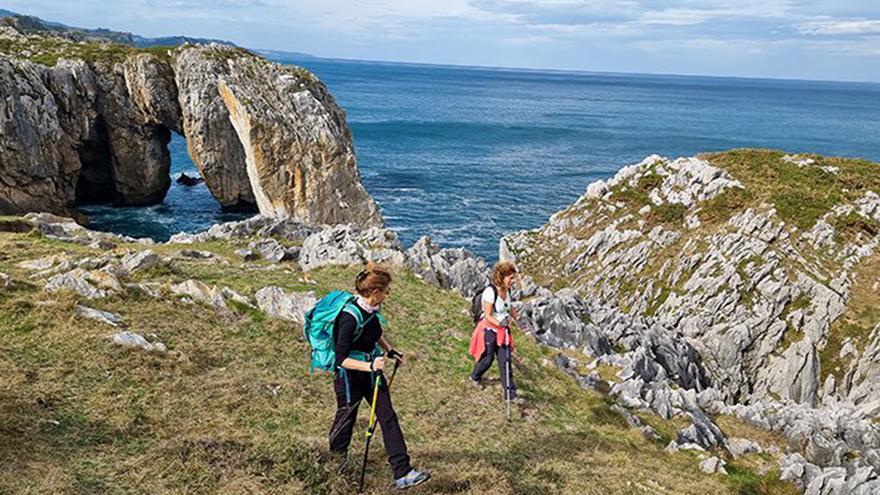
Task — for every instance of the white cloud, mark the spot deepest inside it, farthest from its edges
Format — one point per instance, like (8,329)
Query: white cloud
(832,27)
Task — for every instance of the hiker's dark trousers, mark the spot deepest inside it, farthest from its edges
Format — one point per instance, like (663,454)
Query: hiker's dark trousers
(504,363)
(361,387)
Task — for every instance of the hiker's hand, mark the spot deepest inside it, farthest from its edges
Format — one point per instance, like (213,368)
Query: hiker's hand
(393,354)
(379,364)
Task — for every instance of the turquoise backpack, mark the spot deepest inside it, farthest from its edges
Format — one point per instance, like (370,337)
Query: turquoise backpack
(318,328)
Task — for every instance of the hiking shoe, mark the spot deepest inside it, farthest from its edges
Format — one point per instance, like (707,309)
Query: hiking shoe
(413,477)
(476,383)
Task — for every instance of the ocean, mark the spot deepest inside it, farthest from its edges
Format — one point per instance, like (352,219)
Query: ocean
(468,154)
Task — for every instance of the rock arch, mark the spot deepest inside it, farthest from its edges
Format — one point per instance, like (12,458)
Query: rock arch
(260,134)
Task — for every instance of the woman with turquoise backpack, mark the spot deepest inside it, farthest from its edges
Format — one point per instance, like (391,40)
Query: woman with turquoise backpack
(359,342)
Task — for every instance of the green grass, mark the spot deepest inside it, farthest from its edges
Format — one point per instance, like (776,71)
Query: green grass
(47,50)
(231,408)
(670,214)
(723,206)
(801,195)
(748,482)
(862,315)
(849,226)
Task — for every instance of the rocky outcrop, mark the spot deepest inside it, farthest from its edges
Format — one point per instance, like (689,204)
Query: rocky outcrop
(749,295)
(213,143)
(755,296)
(449,268)
(95,130)
(298,147)
(38,163)
(347,245)
(277,303)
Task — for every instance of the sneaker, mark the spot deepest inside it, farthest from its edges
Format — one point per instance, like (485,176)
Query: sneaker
(476,383)
(518,401)
(413,478)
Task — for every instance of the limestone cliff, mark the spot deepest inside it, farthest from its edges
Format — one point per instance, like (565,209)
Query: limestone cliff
(742,283)
(90,122)
(764,262)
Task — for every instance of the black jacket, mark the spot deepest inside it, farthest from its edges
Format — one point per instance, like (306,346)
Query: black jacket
(344,330)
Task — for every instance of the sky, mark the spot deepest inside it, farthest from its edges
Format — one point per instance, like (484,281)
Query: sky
(800,39)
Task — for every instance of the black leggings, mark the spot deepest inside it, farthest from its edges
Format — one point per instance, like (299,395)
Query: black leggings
(504,364)
(360,387)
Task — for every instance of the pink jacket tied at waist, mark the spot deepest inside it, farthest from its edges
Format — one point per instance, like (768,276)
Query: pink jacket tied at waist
(478,343)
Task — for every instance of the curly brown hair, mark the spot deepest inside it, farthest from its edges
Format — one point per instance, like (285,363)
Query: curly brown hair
(501,270)
(372,278)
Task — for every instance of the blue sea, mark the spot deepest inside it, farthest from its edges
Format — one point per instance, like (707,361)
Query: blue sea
(466,155)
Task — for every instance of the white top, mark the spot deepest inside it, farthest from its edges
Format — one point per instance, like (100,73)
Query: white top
(502,305)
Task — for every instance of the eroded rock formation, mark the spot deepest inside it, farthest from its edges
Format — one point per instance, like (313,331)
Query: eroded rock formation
(95,129)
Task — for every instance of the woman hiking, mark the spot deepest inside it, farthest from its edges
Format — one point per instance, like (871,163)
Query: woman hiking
(492,333)
(359,361)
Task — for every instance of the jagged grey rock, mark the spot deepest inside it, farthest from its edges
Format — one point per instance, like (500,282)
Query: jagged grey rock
(738,314)
(150,289)
(231,295)
(66,229)
(137,341)
(346,245)
(739,447)
(713,465)
(200,292)
(140,260)
(196,254)
(456,269)
(112,319)
(80,282)
(563,320)
(272,250)
(277,303)
(40,264)
(257,226)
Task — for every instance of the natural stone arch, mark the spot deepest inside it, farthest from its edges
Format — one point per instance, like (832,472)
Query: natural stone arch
(101,131)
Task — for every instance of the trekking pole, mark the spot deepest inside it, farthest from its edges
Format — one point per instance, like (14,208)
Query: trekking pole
(507,388)
(372,425)
(370,428)
(393,372)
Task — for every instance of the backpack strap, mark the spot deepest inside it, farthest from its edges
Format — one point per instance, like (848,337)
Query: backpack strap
(352,309)
(494,298)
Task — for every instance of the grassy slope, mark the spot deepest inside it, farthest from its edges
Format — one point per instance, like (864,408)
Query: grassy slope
(232,409)
(48,48)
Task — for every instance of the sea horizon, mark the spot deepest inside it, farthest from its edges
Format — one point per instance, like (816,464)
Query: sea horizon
(307,56)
